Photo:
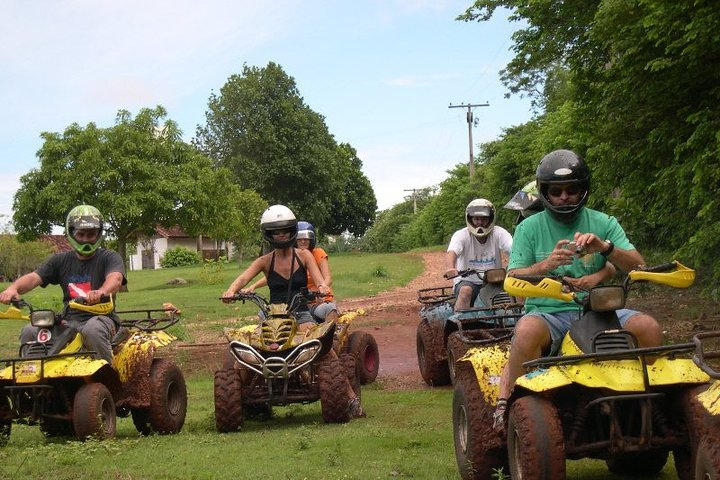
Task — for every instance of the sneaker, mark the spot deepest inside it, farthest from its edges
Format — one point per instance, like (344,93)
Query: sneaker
(499,416)
(355,408)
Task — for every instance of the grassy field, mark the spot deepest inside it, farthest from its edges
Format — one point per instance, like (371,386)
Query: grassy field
(354,275)
(407,434)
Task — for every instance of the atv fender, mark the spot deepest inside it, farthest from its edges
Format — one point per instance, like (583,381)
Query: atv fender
(488,363)
(617,375)
(710,398)
(32,371)
(134,357)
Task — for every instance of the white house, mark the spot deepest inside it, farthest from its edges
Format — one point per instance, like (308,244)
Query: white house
(149,251)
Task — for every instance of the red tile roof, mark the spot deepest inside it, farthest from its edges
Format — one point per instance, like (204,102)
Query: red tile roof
(58,242)
(172,232)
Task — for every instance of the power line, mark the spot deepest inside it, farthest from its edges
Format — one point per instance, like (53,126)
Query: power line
(470,122)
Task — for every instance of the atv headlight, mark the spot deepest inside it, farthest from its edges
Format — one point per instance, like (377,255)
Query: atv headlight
(495,275)
(248,357)
(607,298)
(42,318)
(307,354)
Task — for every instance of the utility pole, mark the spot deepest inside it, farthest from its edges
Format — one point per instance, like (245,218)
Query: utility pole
(470,122)
(413,190)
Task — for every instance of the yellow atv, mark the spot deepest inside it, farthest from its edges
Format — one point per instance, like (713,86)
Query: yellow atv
(57,384)
(601,397)
(275,363)
(707,465)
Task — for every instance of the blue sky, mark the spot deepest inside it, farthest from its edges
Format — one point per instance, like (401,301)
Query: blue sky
(381,72)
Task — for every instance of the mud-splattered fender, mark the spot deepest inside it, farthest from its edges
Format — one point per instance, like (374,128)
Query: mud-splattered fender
(32,371)
(710,398)
(617,375)
(137,353)
(488,363)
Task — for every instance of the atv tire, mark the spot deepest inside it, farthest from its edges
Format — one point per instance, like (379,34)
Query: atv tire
(695,418)
(430,353)
(5,420)
(456,348)
(364,347)
(94,412)
(168,398)
(479,450)
(536,448)
(351,369)
(638,464)
(334,397)
(228,401)
(707,464)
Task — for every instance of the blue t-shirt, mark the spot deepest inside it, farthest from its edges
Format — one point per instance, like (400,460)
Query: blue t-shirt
(535,238)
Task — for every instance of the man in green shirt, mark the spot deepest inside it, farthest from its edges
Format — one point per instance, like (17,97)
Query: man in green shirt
(540,248)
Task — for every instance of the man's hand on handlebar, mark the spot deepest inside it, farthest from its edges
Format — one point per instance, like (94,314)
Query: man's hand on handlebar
(452,273)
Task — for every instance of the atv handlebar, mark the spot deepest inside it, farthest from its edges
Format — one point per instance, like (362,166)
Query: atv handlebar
(492,275)
(299,300)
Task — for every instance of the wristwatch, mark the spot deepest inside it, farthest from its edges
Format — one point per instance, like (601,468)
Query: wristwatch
(609,250)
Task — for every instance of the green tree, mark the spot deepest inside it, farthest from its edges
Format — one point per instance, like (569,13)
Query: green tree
(242,223)
(261,129)
(642,92)
(18,258)
(353,210)
(138,173)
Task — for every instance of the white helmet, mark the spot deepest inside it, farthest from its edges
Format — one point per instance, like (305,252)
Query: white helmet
(278,217)
(480,208)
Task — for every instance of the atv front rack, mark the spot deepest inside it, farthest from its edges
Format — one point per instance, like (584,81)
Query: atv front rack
(671,351)
(707,353)
(484,317)
(12,362)
(435,295)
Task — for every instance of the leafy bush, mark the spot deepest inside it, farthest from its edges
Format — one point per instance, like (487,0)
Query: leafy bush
(213,271)
(19,258)
(179,257)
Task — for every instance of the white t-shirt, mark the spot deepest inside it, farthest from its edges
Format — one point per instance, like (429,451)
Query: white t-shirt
(480,256)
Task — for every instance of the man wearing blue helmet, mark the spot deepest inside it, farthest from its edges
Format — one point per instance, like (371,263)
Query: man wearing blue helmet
(88,272)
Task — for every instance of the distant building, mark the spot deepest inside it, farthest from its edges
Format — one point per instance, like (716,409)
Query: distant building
(150,250)
(58,243)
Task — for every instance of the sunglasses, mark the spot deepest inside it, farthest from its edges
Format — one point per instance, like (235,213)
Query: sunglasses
(556,191)
(283,231)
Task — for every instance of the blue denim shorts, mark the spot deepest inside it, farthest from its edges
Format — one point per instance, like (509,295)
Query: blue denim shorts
(559,323)
(475,289)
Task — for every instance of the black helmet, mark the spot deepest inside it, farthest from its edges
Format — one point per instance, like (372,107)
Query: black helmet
(563,167)
(278,217)
(306,230)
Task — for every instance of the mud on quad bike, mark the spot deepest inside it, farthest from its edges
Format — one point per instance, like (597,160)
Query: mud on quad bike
(276,364)
(707,357)
(444,335)
(57,384)
(601,397)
